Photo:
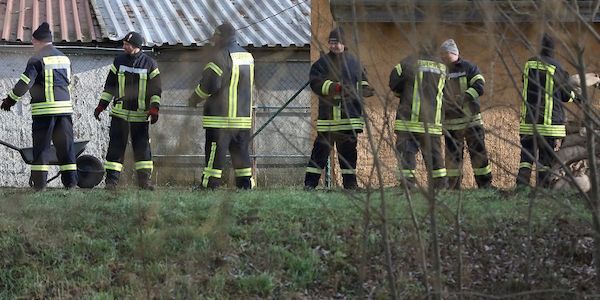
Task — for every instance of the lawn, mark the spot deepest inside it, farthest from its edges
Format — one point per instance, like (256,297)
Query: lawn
(285,244)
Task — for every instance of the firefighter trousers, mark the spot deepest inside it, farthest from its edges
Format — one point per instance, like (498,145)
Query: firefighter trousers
(543,147)
(59,131)
(218,143)
(407,147)
(455,143)
(140,140)
(345,143)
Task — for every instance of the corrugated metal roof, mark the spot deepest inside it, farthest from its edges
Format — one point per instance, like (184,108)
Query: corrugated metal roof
(70,20)
(186,22)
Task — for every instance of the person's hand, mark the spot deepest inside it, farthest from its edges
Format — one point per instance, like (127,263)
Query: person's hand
(98,110)
(368,91)
(153,113)
(7,103)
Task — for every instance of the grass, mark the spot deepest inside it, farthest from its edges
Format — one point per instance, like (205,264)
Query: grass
(279,243)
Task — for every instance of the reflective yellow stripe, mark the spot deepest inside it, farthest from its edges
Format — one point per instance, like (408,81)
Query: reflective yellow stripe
(543,130)
(416,99)
(463,83)
(337,112)
(142,91)
(348,171)
(14,96)
(313,170)
(525,165)
(211,65)
(144,164)
(233,86)
(49,108)
(155,99)
(475,78)
(40,168)
(471,91)
(439,99)
(408,173)
(154,73)
(115,166)
(68,167)
(417,127)
(453,172)
(208,170)
(106,96)
(25,78)
(226,122)
(121,79)
(338,125)
(251,86)
(325,87)
(549,97)
(399,69)
(49,84)
(113,69)
(129,115)
(438,173)
(202,94)
(246,172)
(482,171)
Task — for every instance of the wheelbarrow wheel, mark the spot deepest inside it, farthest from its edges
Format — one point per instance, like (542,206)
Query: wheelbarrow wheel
(90,171)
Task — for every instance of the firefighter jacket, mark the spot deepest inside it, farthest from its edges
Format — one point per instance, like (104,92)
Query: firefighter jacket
(47,77)
(464,86)
(544,89)
(419,83)
(343,111)
(134,84)
(228,85)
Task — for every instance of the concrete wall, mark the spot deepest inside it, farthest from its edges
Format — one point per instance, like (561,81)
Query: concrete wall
(499,51)
(89,74)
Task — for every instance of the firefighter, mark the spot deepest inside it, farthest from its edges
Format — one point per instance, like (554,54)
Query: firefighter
(227,86)
(47,77)
(340,82)
(134,88)
(418,82)
(464,86)
(542,120)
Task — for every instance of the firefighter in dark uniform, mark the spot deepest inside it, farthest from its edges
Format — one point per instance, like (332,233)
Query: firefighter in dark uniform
(542,120)
(418,81)
(227,85)
(133,86)
(340,82)
(47,77)
(464,86)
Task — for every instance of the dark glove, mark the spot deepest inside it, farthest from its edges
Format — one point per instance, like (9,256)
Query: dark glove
(193,100)
(368,91)
(100,108)
(153,113)
(7,103)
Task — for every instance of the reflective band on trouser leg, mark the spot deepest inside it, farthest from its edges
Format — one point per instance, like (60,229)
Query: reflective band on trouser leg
(208,170)
(68,167)
(115,166)
(525,165)
(245,172)
(348,171)
(40,168)
(438,173)
(452,172)
(482,171)
(408,173)
(144,164)
(313,170)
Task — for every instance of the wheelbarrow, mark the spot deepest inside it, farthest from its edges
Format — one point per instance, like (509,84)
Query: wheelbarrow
(89,169)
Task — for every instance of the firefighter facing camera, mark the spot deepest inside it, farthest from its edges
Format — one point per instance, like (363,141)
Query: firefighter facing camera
(47,77)
(133,87)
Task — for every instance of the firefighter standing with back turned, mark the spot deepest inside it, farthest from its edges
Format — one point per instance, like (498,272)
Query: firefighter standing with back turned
(340,82)
(134,83)
(542,121)
(47,77)
(227,85)
(464,86)
(418,82)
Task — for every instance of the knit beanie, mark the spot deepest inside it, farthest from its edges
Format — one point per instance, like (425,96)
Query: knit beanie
(336,35)
(43,33)
(135,39)
(450,46)
(225,30)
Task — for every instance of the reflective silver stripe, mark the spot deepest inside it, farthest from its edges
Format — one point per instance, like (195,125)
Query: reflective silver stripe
(456,74)
(123,68)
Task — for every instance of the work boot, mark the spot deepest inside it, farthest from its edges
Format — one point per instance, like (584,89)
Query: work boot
(38,180)
(144,182)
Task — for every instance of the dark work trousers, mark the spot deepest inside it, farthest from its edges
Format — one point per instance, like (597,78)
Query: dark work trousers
(59,131)
(140,140)
(345,143)
(545,152)
(407,147)
(455,143)
(218,143)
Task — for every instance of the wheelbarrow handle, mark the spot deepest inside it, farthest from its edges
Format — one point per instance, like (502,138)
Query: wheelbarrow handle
(11,146)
